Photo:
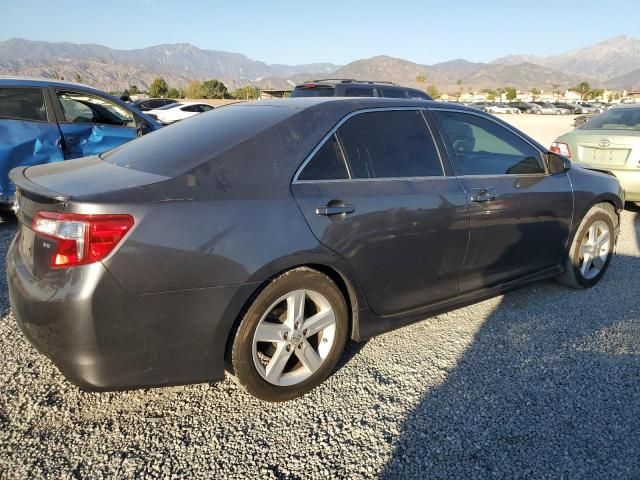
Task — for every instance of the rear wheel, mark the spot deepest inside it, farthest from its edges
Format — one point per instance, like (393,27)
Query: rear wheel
(291,337)
(592,248)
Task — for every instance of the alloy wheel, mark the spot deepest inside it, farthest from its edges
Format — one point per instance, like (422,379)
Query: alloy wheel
(294,337)
(594,249)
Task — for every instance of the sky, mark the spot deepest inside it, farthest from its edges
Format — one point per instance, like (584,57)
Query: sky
(296,32)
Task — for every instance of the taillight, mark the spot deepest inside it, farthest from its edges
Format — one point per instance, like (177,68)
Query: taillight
(81,239)
(561,148)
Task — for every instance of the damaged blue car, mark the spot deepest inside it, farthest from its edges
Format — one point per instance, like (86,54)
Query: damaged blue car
(45,121)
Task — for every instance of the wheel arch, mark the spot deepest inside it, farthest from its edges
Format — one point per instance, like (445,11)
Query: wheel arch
(348,287)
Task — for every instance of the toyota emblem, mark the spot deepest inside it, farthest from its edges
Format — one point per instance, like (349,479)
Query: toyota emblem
(604,143)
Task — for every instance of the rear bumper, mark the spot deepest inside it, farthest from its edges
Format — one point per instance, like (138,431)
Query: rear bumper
(102,337)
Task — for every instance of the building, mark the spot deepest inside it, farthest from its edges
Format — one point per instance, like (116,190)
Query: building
(269,94)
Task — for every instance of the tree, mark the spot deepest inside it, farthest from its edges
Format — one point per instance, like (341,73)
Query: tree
(133,90)
(583,88)
(247,93)
(173,93)
(193,89)
(491,94)
(511,93)
(534,93)
(213,89)
(421,79)
(433,92)
(158,88)
(596,93)
(77,78)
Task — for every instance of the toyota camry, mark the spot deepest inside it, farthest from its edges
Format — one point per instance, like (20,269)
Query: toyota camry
(259,238)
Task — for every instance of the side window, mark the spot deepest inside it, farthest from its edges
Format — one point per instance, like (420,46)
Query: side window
(327,164)
(23,104)
(358,92)
(206,108)
(483,147)
(393,93)
(389,144)
(80,107)
(191,108)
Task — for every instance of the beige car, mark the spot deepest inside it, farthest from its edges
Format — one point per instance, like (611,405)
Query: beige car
(608,142)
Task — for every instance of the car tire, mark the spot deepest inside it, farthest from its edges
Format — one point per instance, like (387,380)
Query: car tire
(299,359)
(538,112)
(588,258)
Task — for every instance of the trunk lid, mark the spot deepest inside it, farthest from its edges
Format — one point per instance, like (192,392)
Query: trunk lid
(69,186)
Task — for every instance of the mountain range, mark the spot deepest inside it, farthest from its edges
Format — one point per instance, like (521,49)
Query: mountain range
(613,63)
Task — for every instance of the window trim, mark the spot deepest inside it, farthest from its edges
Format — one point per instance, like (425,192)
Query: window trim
(48,110)
(334,130)
(541,153)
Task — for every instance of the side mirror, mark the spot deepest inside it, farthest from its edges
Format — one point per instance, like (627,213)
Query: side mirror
(557,163)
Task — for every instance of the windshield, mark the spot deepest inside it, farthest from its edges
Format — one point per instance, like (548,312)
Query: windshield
(317,91)
(615,119)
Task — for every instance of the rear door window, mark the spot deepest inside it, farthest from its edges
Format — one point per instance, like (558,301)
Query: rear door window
(389,144)
(81,107)
(327,163)
(393,93)
(316,91)
(483,147)
(23,104)
(358,92)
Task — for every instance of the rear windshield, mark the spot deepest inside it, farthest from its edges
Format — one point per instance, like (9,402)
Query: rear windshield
(174,150)
(615,119)
(316,91)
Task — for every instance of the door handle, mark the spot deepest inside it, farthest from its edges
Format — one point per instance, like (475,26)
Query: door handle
(483,195)
(329,210)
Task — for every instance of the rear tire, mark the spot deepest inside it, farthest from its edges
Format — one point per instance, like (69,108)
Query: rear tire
(591,249)
(291,337)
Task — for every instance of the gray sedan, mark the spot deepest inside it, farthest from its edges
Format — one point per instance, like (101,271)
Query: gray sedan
(258,238)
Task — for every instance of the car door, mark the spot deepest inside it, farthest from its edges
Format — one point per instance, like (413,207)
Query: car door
(29,134)
(520,216)
(375,192)
(92,124)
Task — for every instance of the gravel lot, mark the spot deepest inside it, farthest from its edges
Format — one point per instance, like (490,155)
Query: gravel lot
(542,382)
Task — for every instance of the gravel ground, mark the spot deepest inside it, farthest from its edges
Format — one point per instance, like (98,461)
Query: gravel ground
(543,382)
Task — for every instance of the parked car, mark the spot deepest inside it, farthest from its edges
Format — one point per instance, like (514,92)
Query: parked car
(343,87)
(609,142)
(501,108)
(550,109)
(259,238)
(44,121)
(586,107)
(524,107)
(572,107)
(146,104)
(178,111)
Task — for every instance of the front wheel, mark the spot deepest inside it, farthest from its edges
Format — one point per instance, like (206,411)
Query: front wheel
(592,248)
(291,337)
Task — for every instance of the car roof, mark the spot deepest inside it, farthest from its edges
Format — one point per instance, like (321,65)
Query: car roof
(41,82)
(357,103)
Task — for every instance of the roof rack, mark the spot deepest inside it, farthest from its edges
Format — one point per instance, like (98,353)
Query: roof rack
(349,80)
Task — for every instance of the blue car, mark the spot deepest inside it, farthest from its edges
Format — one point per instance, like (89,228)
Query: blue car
(45,121)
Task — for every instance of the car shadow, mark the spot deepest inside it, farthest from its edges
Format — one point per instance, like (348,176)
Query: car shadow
(550,387)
